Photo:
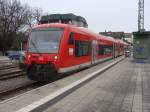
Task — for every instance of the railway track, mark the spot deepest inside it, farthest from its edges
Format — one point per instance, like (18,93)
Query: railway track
(5,62)
(17,86)
(13,80)
(8,66)
(8,76)
(14,91)
(9,70)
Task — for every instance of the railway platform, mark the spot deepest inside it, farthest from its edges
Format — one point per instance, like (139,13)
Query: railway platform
(123,88)
(115,87)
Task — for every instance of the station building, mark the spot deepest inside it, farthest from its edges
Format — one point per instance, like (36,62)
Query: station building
(127,37)
(69,18)
(118,35)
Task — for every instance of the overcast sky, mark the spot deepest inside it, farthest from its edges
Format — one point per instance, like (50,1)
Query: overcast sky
(101,15)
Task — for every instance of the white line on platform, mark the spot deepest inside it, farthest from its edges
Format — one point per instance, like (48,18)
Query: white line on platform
(50,97)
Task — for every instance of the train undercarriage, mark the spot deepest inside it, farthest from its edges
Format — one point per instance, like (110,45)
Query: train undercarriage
(41,72)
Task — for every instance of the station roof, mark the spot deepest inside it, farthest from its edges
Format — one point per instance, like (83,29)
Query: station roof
(141,33)
(68,16)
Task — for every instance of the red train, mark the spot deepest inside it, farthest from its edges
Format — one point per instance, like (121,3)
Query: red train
(59,48)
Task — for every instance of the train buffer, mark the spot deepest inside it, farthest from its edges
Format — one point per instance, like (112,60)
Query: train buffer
(115,86)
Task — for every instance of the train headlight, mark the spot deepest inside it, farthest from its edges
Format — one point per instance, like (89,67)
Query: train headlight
(55,57)
(29,56)
(41,58)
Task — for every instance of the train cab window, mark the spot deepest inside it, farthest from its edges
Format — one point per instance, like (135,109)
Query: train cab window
(71,39)
(82,48)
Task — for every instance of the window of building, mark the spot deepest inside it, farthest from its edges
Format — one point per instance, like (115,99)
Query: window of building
(82,48)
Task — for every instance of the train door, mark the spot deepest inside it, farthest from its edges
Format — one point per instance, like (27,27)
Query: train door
(94,51)
(116,50)
(113,50)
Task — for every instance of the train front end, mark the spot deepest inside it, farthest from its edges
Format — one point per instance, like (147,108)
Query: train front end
(42,57)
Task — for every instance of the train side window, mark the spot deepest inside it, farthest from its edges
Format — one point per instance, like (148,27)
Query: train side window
(104,49)
(108,49)
(82,48)
(71,39)
(100,49)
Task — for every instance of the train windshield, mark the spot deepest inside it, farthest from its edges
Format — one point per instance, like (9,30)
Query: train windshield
(45,40)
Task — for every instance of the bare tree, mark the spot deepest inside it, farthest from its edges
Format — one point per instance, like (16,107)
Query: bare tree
(37,13)
(30,19)
(33,16)
(12,15)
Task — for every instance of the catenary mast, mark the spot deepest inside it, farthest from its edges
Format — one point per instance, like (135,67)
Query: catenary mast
(141,16)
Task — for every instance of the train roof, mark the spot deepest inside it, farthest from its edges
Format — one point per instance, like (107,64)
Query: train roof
(78,29)
(57,25)
(121,41)
(92,33)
